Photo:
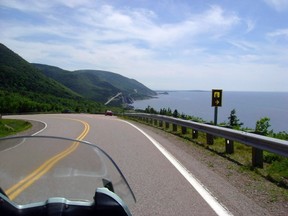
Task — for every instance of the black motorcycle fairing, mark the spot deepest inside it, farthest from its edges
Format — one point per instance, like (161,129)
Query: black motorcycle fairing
(105,203)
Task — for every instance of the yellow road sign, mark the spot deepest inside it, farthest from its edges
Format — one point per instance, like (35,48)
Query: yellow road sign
(216,97)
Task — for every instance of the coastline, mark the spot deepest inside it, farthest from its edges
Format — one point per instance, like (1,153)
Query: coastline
(250,106)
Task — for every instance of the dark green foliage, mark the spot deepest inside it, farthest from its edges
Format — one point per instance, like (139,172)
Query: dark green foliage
(269,157)
(278,171)
(150,110)
(168,112)
(98,85)
(87,85)
(234,122)
(23,88)
(17,75)
(175,113)
(281,135)
(126,85)
(262,126)
(33,102)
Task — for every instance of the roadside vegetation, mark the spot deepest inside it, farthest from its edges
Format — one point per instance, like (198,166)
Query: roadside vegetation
(275,167)
(12,126)
(30,102)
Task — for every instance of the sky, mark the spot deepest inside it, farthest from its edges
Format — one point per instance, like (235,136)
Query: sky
(234,45)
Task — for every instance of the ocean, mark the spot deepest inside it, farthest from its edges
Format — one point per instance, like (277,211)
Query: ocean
(250,106)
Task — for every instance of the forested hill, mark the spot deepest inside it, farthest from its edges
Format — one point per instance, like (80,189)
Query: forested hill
(26,87)
(97,85)
(88,86)
(17,75)
(127,86)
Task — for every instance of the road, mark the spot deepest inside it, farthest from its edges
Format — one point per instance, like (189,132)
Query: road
(165,178)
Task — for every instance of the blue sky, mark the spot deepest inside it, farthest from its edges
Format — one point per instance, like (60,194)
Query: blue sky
(235,45)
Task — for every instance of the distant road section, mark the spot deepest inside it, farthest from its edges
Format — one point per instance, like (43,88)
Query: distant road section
(117,95)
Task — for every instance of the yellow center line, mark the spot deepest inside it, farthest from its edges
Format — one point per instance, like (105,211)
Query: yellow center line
(19,187)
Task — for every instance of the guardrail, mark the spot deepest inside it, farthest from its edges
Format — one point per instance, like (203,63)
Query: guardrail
(257,142)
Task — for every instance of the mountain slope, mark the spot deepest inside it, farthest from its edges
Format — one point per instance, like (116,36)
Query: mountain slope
(26,87)
(87,85)
(16,74)
(97,85)
(23,88)
(126,85)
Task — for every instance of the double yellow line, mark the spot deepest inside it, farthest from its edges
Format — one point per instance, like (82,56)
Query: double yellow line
(19,187)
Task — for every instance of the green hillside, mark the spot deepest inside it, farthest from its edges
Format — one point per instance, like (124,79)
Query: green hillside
(23,88)
(17,75)
(98,85)
(127,86)
(26,87)
(87,85)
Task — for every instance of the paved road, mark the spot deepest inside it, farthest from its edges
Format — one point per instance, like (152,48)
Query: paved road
(165,178)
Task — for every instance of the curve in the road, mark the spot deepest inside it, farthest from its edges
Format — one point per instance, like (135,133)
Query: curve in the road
(19,187)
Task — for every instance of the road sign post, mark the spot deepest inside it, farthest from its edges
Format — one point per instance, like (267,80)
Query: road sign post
(215,115)
(216,102)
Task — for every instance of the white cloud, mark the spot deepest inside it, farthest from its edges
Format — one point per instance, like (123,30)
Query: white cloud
(139,43)
(73,3)
(27,6)
(243,45)
(279,5)
(113,24)
(280,33)
(107,24)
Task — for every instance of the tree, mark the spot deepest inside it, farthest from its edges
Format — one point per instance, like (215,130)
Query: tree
(150,110)
(234,122)
(175,113)
(262,126)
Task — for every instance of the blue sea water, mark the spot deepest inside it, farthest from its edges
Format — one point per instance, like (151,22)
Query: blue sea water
(250,106)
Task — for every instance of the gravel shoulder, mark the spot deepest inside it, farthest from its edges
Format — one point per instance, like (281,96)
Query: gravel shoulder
(36,126)
(265,194)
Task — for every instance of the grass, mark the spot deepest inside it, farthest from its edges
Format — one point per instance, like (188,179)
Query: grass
(12,126)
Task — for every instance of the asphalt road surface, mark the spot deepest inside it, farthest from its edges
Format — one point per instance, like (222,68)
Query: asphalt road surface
(165,179)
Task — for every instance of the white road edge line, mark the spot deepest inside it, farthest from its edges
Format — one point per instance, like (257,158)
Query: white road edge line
(41,129)
(197,185)
(31,135)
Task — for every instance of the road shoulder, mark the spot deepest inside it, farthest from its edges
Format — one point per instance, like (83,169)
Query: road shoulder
(36,127)
(260,191)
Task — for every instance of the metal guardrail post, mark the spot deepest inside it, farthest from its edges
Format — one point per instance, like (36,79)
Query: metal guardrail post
(257,157)
(194,134)
(209,139)
(184,130)
(167,125)
(229,146)
(174,128)
(160,123)
(155,122)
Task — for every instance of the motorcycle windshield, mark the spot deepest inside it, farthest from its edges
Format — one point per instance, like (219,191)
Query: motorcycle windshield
(33,169)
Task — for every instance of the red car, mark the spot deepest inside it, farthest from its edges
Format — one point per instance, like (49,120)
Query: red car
(109,113)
